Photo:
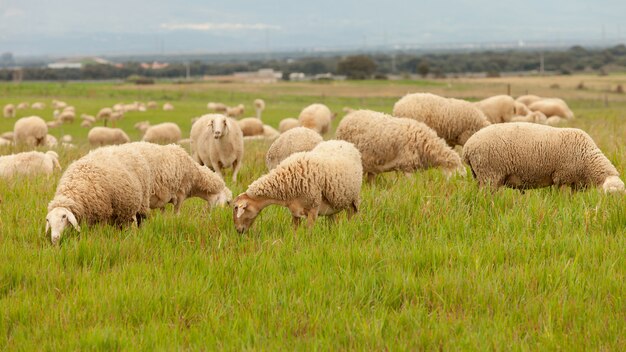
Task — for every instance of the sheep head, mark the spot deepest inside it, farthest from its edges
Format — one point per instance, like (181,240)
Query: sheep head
(219,126)
(57,220)
(613,184)
(245,211)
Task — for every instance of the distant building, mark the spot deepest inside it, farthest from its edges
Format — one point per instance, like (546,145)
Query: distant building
(78,62)
(62,65)
(154,66)
(264,75)
(297,76)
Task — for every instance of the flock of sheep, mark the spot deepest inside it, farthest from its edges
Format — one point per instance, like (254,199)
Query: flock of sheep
(505,142)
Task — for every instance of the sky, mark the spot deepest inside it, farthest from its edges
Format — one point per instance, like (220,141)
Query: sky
(117,27)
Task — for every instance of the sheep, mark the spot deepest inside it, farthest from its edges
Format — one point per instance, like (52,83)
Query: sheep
(316,117)
(86,124)
(30,131)
(217,142)
(67,116)
(28,164)
(89,118)
(163,133)
(524,156)
(53,124)
(535,116)
(168,107)
(235,111)
(176,177)
(393,144)
(5,142)
(287,124)
(454,120)
(270,132)
(553,120)
(259,106)
(552,107)
(23,105)
(217,107)
(152,105)
(347,110)
(51,141)
(38,105)
(528,99)
(142,127)
(498,108)
(7,135)
(57,104)
(324,181)
(299,139)
(116,116)
(66,138)
(251,126)
(521,109)
(104,114)
(69,108)
(99,136)
(109,184)
(9,111)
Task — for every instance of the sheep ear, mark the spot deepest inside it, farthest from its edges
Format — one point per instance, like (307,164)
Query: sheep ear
(47,227)
(72,219)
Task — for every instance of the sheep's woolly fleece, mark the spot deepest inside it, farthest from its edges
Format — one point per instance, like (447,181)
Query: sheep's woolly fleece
(393,144)
(287,124)
(30,131)
(29,163)
(167,132)
(525,155)
(498,108)
(299,139)
(330,174)
(99,136)
(316,117)
(454,120)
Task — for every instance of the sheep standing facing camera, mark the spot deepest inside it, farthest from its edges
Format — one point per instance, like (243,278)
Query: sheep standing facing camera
(524,155)
(392,144)
(324,181)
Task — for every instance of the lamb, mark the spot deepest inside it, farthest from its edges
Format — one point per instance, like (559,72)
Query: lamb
(524,156)
(30,131)
(552,107)
(163,133)
(498,108)
(259,106)
(251,126)
(528,99)
(454,120)
(287,124)
(99,136)
(9,111)
(323,181)
(217,141)
(299,139)
(176,177)
(109,184)
(392,144)
(28,164)
(38,105)
(316,117)
(168,107)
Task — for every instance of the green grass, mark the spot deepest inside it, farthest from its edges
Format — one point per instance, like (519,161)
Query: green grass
(426,264)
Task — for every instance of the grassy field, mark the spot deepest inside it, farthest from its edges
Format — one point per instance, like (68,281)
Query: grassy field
(427,263)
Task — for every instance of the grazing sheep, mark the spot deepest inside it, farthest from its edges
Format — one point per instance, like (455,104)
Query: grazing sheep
(57,104)
(38,106)
(299,139)
(552,107)
(287,124)
(67,116)
(316,117)
(498,108)
(23,105)
(30,131)
(51,141)
(259,106)
(392,144)
(524,155)
(217,142)
(104,114)
(528,99)
(535,117)
(323,181)
(521,109)
(86,124)
(116,116)
(217,107)
(7,135)
(152,105)
(109,184)
(163,133)
(168,107)
(9,111)
(53,124)
(251,126)
(235,111)
(270,132)
(176,177)
(99,136)
(29,163)
(89,118)
(454,120)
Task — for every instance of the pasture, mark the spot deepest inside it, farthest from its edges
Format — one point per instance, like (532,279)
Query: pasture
(426,264)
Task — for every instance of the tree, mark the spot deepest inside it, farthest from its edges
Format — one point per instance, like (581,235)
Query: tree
(357,67)
(423,68)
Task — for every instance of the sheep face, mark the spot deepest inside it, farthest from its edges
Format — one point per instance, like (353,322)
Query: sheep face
(244,212)
(222,198)
(613,184)
(57,220)
(219,126)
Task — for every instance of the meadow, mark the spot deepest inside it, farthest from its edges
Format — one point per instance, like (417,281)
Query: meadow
(426,264)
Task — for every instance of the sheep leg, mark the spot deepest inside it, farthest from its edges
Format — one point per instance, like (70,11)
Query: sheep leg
(295,221)
(178,202)
(217,169)
(311,217)
(236,166)
(370,177)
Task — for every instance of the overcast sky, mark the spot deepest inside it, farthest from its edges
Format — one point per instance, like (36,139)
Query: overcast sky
(57,27)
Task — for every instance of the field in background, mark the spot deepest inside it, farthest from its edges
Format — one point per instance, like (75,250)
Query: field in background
(427,263)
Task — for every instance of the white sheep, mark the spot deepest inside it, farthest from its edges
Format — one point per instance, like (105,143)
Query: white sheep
(217,141)
(38,105)
(251,126)
(168,107)
(7,135)
(454,120)
(104,114)
(528,99)
(23,105)
(299,139)
(259,106)
(525,155)
(152,105)
(58,104)
(317,117)
(287,124)
(99,136)
(67,116)
(163,133)
(29,164)
(235,111)
(30,131)
(324,181)
(392,144)
(51,141)
(552,107)
(5,142)
(9,111)
(89,118)
(498,108)
(521,109)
